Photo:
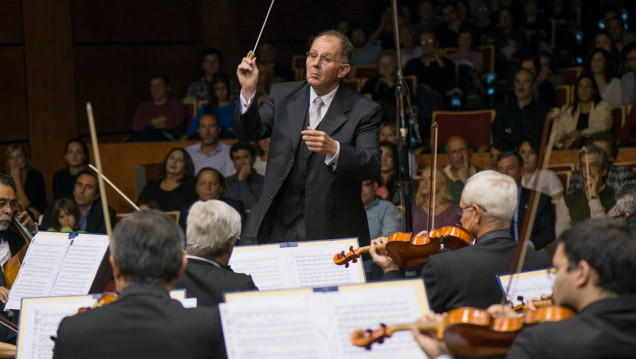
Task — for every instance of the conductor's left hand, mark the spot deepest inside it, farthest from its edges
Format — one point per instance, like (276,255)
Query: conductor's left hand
(319,142)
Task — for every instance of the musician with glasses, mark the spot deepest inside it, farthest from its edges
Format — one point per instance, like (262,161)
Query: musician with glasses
(323,145)
(467,277)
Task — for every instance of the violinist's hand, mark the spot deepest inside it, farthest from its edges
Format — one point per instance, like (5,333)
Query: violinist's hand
(531,302)
(247,73)
(501,311)
(4,294)
(428,341)
(26,221)
(380,257)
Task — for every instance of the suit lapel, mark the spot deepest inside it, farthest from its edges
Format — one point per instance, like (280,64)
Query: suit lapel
(297,110)
(338,112)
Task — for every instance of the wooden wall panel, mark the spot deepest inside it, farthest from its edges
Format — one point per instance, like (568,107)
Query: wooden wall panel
(13,90)
(125,21)
(114,78)
(11,22)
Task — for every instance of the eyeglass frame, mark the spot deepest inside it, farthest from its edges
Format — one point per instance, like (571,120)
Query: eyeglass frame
(460,210)
(324,59)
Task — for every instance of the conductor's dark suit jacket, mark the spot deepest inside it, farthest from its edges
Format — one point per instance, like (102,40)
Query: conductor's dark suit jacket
(467,277)
(333,206)
(603,329)
(143,323)
(207,282)
(543,229)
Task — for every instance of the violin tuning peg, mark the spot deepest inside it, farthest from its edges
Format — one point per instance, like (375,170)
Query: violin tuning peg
(346,265)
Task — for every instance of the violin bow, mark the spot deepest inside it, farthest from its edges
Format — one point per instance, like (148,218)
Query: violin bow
(545,151)
(431,194)
(112,185)
(588,184)
(258,39)
(98,162)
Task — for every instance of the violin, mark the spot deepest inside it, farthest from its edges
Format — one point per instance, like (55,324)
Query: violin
(105,299)
(12,267)
(469,331)
(412,252)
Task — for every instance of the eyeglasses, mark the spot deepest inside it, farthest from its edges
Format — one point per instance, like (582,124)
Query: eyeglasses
(324,59)
(429,41)
(460,210)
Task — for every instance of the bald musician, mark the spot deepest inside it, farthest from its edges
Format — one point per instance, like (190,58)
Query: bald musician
(594,261)
(467,276)
(147,256)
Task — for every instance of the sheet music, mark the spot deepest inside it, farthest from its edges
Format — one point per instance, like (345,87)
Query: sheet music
(39,269)
(83,257)
(528,285)
(306,266)
(319,324)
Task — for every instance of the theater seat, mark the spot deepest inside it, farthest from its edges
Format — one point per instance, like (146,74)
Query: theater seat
(474,126)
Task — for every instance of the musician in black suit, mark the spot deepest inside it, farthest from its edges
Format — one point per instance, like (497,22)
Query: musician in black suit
(510,163)
(147,256)
(323,145)
(591,262)
(213,227)
(467,276)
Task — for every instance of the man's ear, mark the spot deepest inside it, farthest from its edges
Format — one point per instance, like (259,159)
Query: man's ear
(115,266)
(344,70)
(583,274)
(182,267)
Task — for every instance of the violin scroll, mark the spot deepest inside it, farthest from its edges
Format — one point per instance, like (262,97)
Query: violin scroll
(106,298)
(365,338)
(343,258)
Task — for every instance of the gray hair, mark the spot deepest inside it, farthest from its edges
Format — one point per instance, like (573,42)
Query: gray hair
(626,198)
(212,227)
(495,193)
(601,153)
(148,247)
(7,180)
(346,47)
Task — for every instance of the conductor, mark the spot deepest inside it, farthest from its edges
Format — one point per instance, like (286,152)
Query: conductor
(323,144)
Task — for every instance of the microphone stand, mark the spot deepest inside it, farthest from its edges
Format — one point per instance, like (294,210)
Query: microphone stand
(404,143)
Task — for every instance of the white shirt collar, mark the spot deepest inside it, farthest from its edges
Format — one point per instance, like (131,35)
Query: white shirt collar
(326,99)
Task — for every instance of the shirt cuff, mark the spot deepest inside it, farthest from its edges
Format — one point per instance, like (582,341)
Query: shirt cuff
(245,104)
(332,160)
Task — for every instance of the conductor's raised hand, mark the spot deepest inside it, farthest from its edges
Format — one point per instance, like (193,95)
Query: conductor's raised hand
(319,142)
(247,73)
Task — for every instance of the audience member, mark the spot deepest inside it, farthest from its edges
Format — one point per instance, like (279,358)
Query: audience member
(536,26)
(220,105)
(444,208)
(628,84)
(76,157)
(389,186)
(210,152)
(482,21)
(544,89)
(64,216)
(617,175)
(447,32)
(266,55)
(246,185)
(387,132)
(495,150)
(616,28)
(174,185)
(471,68)
(364,52)
(427,17)
(511,164)
(625,202)
(262,152)
(157,120)
(603,67)
(213,229)
(29,182)
(603,40)
(210,185)
(551,185)
(383,217)
(211,62)
(594,199)
(460,167)
(147,256)
(588,114)
(510,44)
(524,117)
(546,71)
(410,49)
(382,88)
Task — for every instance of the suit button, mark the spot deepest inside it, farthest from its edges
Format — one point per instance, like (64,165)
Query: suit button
(302,179)
(270,197)
(291,161)
(305,163)
(281,178)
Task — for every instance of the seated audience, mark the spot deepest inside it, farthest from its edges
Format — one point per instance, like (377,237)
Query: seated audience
(625,207)
(510,43)
(522,117)
(29,182)
(210,185)
(546,71)
(246,185)
(387,132)
(210,152)
(173,187)
(551,186)
(76,157)
(511,164)
(448,31)
(147,257)
(262,151)
(382,216)
(628,82)
(220,105)
(495,150)
(601,65)
(157,120)
(211,62)
(594,199)
(617,175)
(388,189)
(266,56)
(410,49)
(364,52)
(444,208)
(213,228)
(471,68)
(621,37)
(382,88)
(460,167)
(544,91)
(603,40)
(536,26)
(588,114)
(64,216)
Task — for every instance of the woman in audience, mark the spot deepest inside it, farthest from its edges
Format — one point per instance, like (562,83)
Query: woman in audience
(219,103)
(174,185)
(586,115)
(28,181)
(76,157)
(445,209)
(471,68)
(603,67)
(382,88)
(64,216)
(389,173)
(551,186)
